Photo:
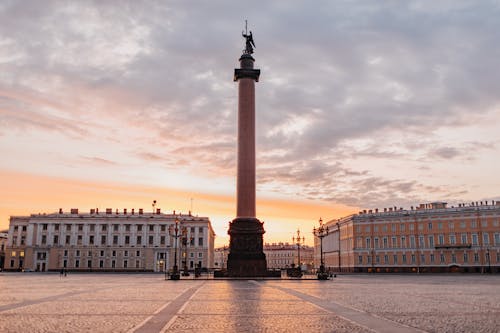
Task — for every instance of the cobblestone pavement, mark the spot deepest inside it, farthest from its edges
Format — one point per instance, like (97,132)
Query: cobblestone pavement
(44,302)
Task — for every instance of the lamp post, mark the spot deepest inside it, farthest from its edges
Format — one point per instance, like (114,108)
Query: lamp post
(173,231)
(488,258)
(299,241)
(185,240)
(321,232)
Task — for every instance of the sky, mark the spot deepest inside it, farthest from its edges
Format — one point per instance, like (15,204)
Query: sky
(360,105)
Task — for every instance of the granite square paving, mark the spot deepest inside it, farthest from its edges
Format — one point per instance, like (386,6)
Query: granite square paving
(46,302)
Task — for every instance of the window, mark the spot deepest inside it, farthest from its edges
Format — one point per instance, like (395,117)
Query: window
(451,225)
(103,240)
(484,224)
(101,253)
(200,241)
(376,242)
(139,227)
(139,240)
(476,257)
(452,239)
(441,239)
(125,263)
(412,258)
(375,228)
(368,243)
(68,227)
(113,253)
(80,237)
(464,238)
(89,263)
(474,239)
(422,259)
(127,227)
(412,242)
(486,239)
(44,239)
(16,228)
(377,259)
(80,227)
(394,242)
(412,227)
(395,257)
(453,258)
(91,240)
(115,240)
(431,257)
(360,260)
(162,240)
(77,253)
(403,241)
(385,242)
(77,263)
(441,257)
(404,258)
(393,227)
(137,264)
(421,241)
(101,263)
(151,227)
(200,254)
(65,253)
(92,227)
(402,227)
(68,240)
(466,257)
(44,226)
(473,224)
(497,239)
(462,224)
(431,241)
(56,227)
(163,228)
(386,259)
(138,253)
(200,230)
(440,225)
(151,239)
(115,227)
(113,263)
(104,227)
(429,226)
(127,239)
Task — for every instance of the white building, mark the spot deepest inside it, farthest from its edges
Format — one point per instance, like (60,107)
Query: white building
(3,245)
(284,255)
(109,241)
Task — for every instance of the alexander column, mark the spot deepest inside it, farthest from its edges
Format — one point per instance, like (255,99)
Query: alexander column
(246,256)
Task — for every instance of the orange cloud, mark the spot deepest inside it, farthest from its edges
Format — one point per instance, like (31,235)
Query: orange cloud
(25,194)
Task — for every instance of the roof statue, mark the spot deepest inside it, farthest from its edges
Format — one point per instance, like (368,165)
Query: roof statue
(250,44)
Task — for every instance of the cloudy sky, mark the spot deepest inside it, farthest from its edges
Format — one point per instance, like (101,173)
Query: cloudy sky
(360,104)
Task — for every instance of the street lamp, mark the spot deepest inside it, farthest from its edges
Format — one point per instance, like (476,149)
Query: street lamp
(185,240)
(321,232)
(299,241)
(173,231)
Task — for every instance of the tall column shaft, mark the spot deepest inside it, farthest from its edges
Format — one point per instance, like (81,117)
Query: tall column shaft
(246,149)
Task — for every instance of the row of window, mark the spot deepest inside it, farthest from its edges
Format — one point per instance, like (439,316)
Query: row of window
(115,227)
(116,240)
(386,259)
(430,226)
(392,242)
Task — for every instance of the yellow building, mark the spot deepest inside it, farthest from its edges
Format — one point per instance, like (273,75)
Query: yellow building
(428,238)
(108,241)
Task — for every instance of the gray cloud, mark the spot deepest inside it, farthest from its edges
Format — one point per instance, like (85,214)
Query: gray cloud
(331,72)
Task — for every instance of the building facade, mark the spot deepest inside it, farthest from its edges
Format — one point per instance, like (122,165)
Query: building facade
(109,241)
(286,255)
(3,245)
(428,238)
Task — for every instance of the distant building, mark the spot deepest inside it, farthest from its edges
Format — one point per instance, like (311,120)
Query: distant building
(284,255)
(220,257)
(108,241)
(428,238)
(3,245)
